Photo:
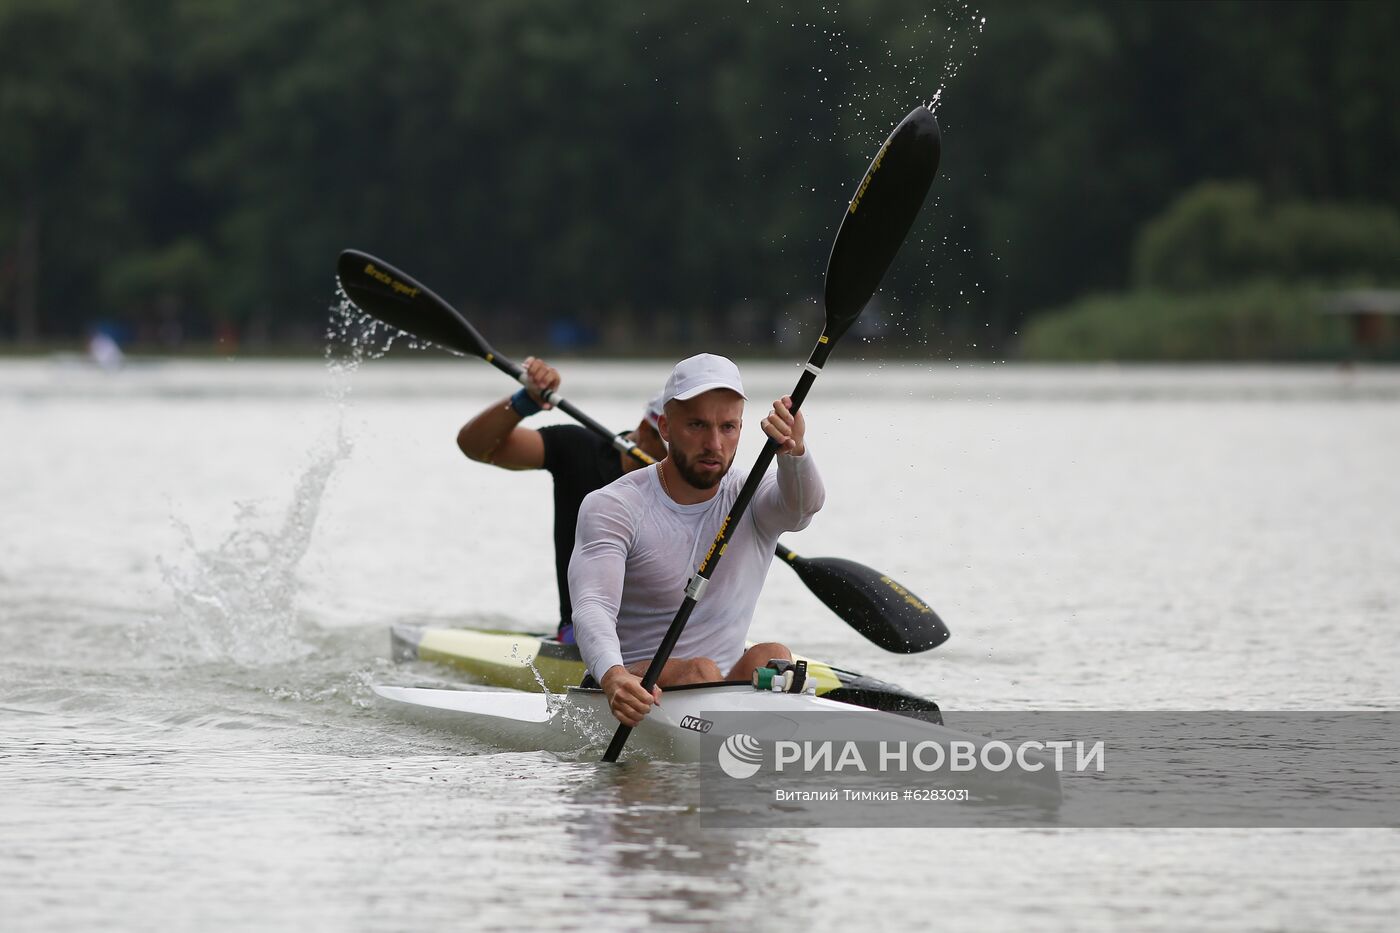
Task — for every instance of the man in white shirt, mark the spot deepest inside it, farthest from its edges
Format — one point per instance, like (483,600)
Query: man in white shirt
(641,538)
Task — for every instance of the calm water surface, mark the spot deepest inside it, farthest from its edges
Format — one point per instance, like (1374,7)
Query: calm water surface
(199,562)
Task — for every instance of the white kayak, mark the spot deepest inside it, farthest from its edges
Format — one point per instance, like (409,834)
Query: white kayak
(678,728)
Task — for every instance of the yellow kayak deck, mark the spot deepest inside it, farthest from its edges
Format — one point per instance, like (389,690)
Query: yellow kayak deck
(534,662)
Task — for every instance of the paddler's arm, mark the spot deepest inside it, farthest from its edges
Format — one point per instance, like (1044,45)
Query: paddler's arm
(789,502)
(596,572)
(494,436)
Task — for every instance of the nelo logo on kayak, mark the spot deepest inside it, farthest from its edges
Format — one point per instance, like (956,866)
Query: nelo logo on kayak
(696,724)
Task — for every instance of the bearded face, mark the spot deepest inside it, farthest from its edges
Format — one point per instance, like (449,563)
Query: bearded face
(703,434)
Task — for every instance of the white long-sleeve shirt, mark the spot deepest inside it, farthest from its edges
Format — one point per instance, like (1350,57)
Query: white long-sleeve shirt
(636,548)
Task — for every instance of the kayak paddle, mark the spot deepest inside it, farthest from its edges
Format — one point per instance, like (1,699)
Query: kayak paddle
(873,604)
(876,222)
(397,299)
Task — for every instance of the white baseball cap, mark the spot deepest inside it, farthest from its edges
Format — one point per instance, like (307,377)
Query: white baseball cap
(701,373)
(655,409)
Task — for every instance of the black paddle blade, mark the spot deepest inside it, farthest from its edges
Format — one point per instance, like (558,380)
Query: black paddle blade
(879,217)
(401,301)
(873,604)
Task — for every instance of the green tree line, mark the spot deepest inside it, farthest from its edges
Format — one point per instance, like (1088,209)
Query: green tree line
(636,169)
(1225,273)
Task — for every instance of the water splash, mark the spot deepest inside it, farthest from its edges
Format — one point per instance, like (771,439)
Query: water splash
(965,28)
(577,721)
(238,601)
(352,337)
(529,662)
(558,703)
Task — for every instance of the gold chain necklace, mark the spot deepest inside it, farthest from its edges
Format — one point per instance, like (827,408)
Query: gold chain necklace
(661,473)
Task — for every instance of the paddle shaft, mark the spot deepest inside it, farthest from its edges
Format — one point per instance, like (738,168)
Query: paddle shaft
(695,589)
(514,370)
(517,372)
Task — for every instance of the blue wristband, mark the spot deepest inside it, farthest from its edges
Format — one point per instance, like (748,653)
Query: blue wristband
(524,405)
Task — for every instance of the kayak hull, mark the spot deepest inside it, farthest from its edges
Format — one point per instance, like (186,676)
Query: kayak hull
(687,722)
(537,663)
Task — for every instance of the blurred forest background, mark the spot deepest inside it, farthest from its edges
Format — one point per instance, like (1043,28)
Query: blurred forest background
(1119,181)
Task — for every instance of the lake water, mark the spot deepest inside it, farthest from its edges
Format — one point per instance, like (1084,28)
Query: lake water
(199,563)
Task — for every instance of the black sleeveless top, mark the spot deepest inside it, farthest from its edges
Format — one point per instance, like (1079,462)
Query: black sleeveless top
(580,462)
